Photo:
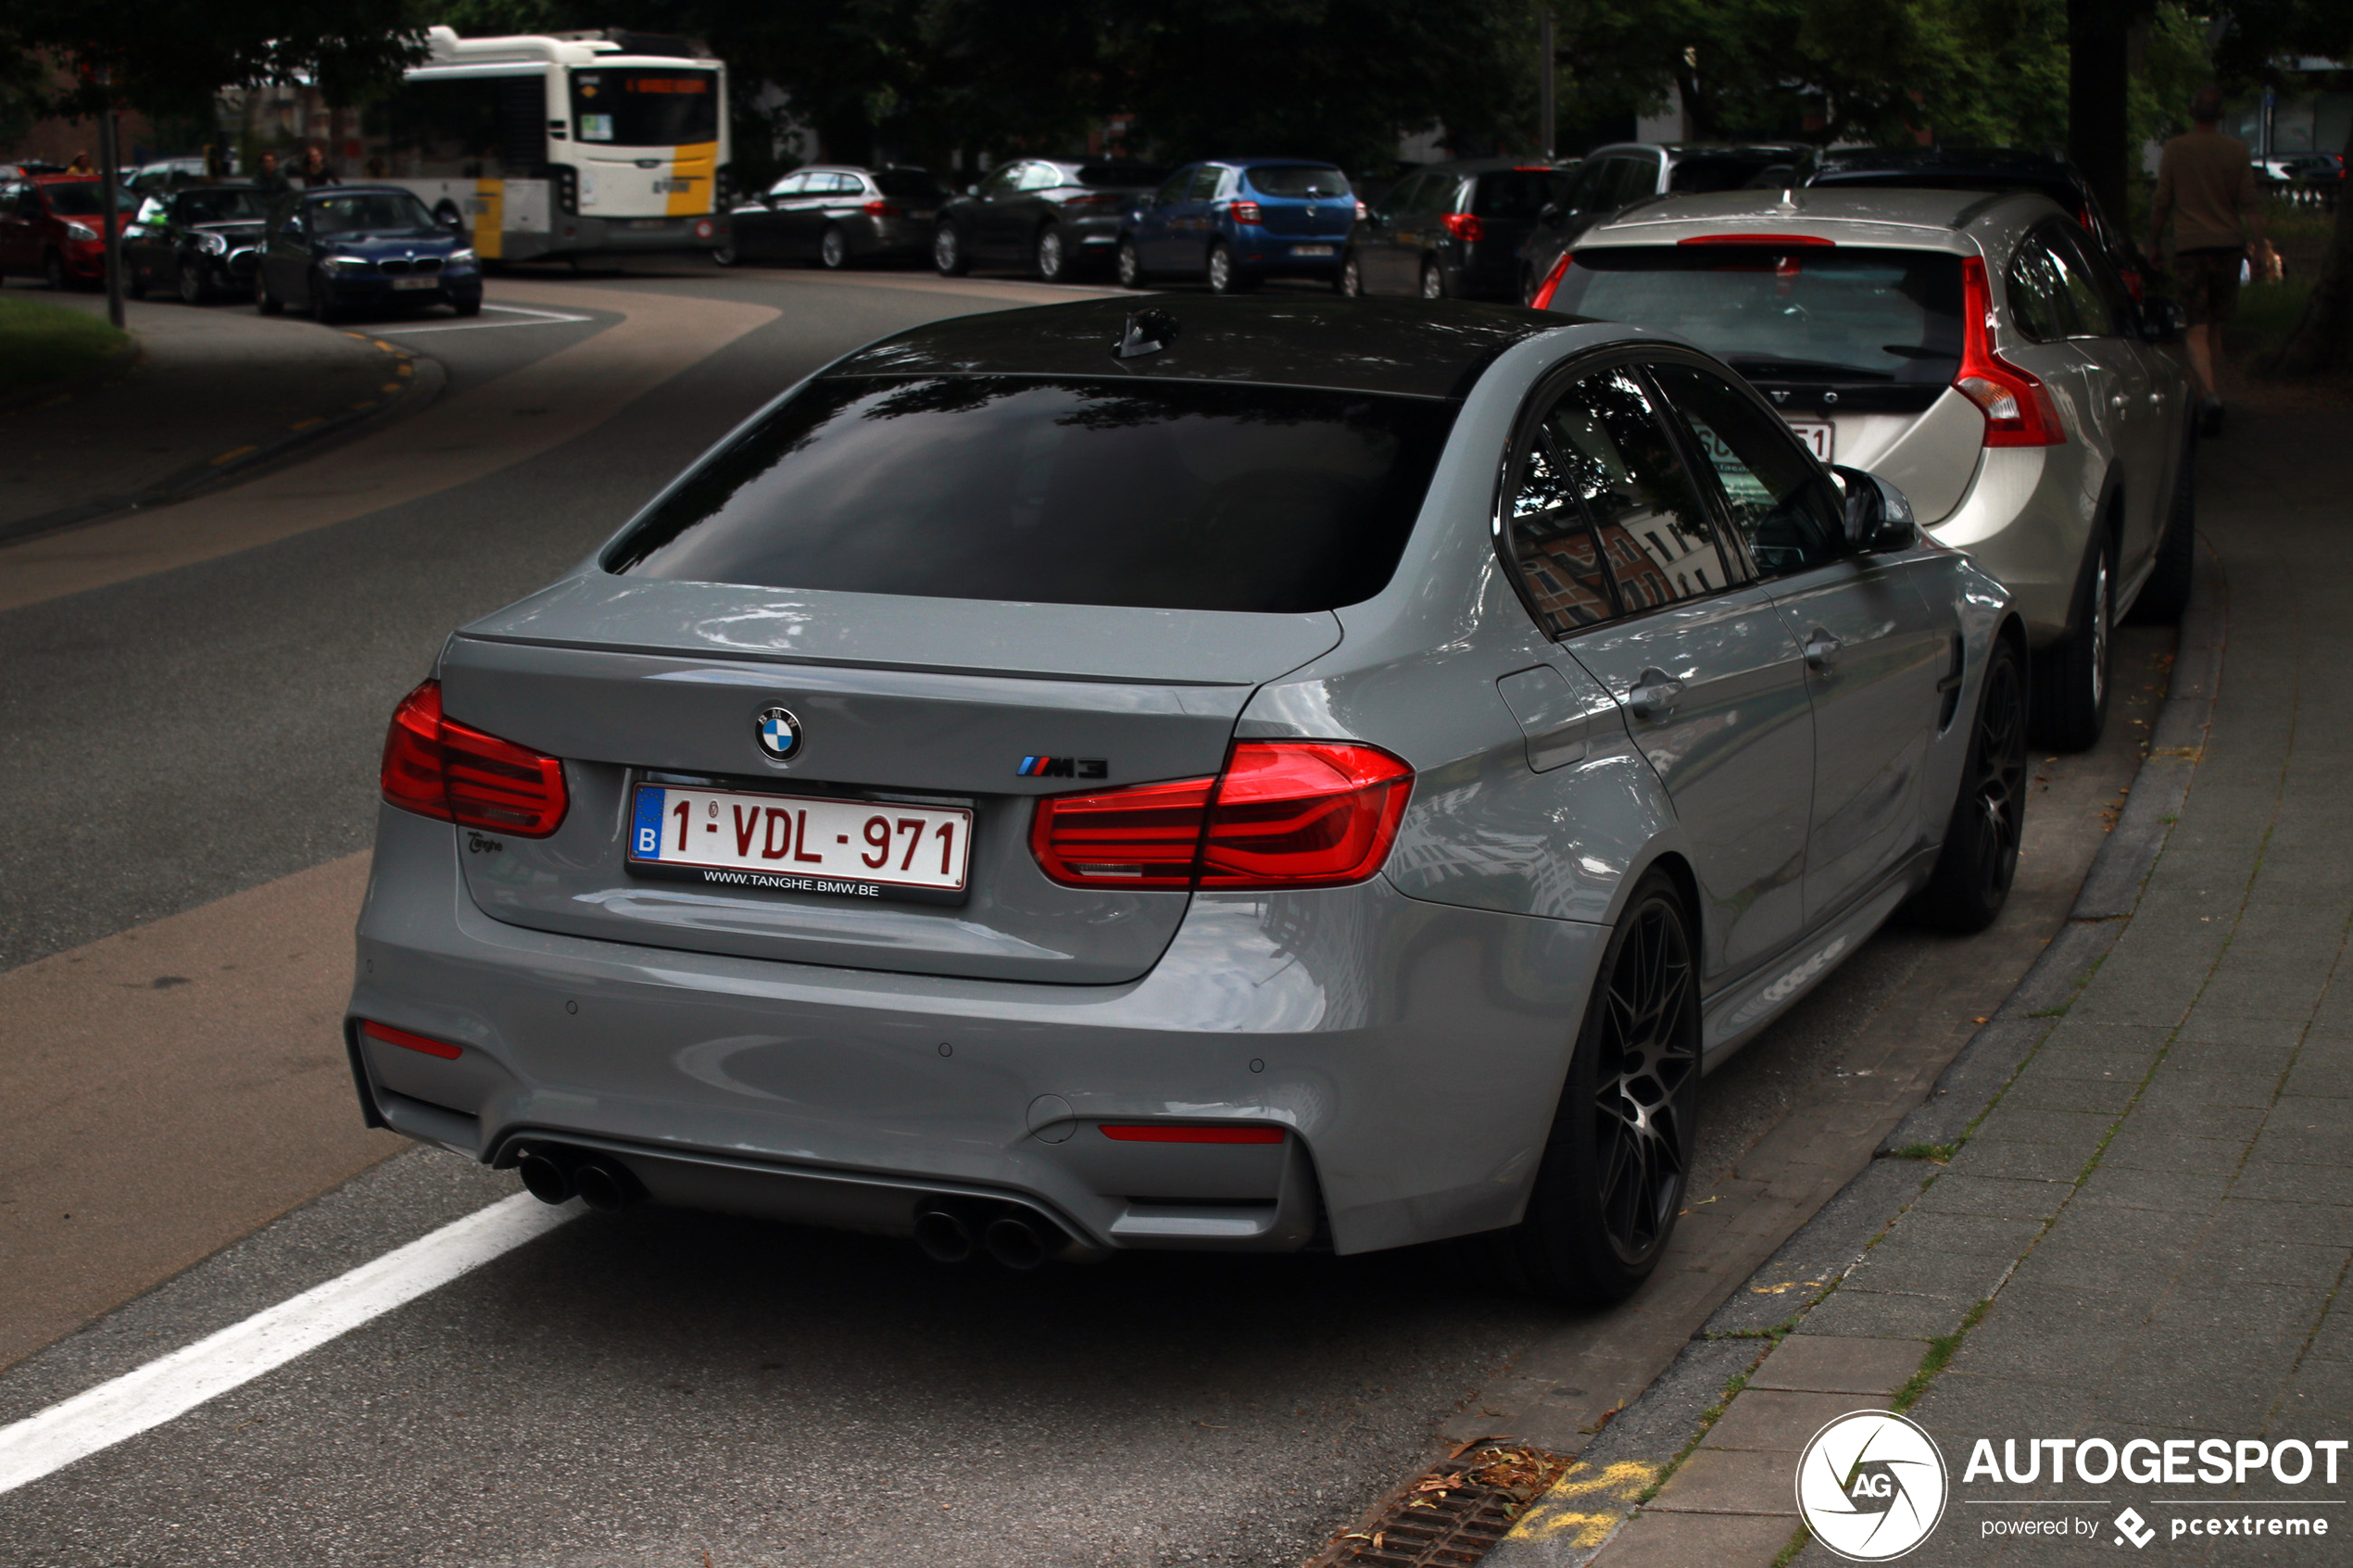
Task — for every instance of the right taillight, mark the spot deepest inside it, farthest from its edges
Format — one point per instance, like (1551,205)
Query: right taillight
(2018,408)
(437,767)
(1283,814)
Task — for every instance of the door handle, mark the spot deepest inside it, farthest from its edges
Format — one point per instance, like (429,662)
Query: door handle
(1819,647)
(1654,694)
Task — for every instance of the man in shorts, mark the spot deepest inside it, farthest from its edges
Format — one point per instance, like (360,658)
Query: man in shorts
(2206,185)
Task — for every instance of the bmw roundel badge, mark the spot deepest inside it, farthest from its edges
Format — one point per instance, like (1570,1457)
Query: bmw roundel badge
(779,734)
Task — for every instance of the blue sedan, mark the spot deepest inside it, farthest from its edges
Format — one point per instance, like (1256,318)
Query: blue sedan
(1236,221)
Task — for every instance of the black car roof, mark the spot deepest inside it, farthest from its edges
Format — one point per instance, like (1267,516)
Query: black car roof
(1406,347)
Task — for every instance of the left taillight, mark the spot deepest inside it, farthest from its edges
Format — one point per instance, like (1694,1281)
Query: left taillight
(882,209)
(437,767)
(1247,212)
(1283,814)
(2018,408)
(1463,226)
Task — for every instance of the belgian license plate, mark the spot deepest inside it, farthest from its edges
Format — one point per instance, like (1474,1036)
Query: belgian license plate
(416,283)
(1816,435)
(796,844)
(1311,250)
(923,215)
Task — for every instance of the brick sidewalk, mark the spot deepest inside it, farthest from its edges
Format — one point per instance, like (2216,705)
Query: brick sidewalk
(2146,1237)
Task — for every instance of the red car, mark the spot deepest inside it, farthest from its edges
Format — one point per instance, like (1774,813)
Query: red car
(52,227)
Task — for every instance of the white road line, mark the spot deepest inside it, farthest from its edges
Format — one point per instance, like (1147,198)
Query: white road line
(170,1388)
(543,319)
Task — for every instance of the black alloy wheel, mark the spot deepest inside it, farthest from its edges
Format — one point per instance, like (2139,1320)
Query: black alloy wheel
(193,290)
(1433,280)
(725,255)
(1131,266)
(1617,1161)
(1053,264)
(2068,708)
(833,248)
(1351,282)
(1979,861)
(947,252)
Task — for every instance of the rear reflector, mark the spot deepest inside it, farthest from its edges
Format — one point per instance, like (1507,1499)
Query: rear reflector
(406,1041)
(1283,814)
(439,768)
(1153,1132)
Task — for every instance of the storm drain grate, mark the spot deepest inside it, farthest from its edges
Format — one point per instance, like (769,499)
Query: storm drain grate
(1454,1515)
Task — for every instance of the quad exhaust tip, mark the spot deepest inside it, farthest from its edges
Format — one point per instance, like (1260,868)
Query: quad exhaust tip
(554,1174)
(950,1231)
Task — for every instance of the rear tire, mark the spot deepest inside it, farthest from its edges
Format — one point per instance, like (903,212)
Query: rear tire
(466,307)
(1051,261)
(1974,869)
(193,290)
(2071,677)
(833,248)
(1131,266)
(267,302)
(1616,1164)
(1351,282)
(2167,592)
(1223,276)
(1433,280)
(947,252)
(725,255)
(52,271)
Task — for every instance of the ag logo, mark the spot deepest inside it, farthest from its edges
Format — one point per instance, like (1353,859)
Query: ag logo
(779,733)
(1871,1485)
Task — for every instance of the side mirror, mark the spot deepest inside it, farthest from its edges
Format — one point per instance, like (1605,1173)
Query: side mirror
(1549,214)
(1878,517)
(2162,321)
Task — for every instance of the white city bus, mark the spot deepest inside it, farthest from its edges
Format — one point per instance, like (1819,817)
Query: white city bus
(567,145)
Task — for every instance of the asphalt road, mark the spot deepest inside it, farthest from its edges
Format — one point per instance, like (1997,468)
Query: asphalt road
(661,1387)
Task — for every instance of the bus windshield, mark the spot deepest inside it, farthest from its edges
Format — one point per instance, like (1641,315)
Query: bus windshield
(646,107)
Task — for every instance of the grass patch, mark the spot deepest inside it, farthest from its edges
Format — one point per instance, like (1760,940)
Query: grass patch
(1797,1543)
(1934,1153)
(1707,1419)
(2059,1011)
(41,344)
(1940,1353)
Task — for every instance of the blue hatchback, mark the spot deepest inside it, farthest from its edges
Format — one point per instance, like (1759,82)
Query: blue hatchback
(1236,222)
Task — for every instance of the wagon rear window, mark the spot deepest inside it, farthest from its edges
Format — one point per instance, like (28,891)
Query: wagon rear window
(1156,495)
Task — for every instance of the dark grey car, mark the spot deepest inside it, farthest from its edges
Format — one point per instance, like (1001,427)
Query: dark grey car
(1453,231)
(836,215)
(1246,775)
(1614,178)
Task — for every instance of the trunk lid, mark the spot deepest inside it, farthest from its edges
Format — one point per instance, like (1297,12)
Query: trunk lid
(931,703)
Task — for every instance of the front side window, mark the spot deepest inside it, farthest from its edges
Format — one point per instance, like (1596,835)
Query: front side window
(1003,182)
(1773,490)
(1205,180)
(1647,515)
(1174,191)
(1153,494)
(1402,197)
(1516,194)
(1040,177)
(1551,544)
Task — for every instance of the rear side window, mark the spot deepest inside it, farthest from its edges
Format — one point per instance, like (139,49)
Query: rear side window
(1519,194)
(1808,312)
(1157,494)
(2042,307)
(1296,180)
(1553,544)
(1776,495)
(1204,185)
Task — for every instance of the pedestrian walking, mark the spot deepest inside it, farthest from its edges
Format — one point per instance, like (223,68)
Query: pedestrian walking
(269,179)
(315,170)
(2206,186)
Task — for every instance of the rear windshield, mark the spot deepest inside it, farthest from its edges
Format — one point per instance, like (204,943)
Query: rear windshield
(646,108)
(907,183)
(1118,176)
(1516,192)
(1296,180)
(1802,312)
(1157,494)
(1727,171)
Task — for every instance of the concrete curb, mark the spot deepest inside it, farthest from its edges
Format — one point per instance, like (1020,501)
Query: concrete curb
(119,361)
(416,383)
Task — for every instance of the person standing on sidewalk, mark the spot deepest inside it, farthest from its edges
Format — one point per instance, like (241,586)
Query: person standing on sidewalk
(315,170)
(2207,187)
(270,181)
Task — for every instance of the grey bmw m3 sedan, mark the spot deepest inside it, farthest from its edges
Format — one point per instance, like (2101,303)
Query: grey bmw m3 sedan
(1252,774)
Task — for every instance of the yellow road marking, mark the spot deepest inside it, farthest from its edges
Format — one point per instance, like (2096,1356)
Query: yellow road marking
(233,455)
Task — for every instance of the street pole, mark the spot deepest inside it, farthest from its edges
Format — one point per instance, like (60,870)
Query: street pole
(110,183)
(1545,71)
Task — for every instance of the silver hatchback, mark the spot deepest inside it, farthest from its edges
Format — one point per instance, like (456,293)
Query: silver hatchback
(1976,350)
(1247,775)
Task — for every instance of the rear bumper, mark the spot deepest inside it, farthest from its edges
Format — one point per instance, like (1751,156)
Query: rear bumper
(2026,521)
(376,289)
(708,231)
(1411,1052)
(1281,256)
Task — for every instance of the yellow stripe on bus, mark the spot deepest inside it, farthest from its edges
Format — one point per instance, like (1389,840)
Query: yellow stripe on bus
(490,216)
(694,171)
